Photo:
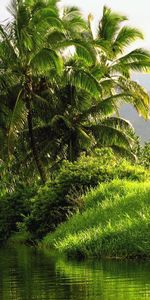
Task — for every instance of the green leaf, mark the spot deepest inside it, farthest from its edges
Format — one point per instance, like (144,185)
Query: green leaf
(139,97)
(125,37)
(17,120)
(83,50)
(107,106)
(46,59)
(109,136)
(83,80)
(110,24)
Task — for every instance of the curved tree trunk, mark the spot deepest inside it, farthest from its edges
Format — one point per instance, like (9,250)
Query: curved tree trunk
(33,145)
(73,152)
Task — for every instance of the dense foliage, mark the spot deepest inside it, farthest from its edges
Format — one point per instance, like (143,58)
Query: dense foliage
(61,88)
(144,155)
(14,207)
(59,199)
(40,209)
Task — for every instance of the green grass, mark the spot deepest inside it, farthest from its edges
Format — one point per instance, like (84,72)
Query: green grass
(115,222)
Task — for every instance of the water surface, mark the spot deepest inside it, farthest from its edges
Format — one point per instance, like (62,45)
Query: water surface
(27,274)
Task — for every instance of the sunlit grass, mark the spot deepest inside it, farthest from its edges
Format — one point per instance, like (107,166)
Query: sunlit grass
(115,222)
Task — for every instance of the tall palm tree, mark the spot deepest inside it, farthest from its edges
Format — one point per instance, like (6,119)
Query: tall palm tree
(101,87)
(80,97)
(29,51)
(117,63)
(80,118)
(23,55)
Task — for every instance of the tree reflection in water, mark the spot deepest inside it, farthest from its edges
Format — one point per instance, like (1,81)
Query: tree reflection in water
(27,274)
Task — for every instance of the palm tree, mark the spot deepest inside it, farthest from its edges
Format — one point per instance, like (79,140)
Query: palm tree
(23,55)
(69,107)
(29,52)
(80,119)
(117,63)
(92,92)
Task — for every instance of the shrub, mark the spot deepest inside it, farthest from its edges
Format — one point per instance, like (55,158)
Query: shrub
(144,156)
(52,205)
(89,171)
(41,210)
(13,207)
(62,197)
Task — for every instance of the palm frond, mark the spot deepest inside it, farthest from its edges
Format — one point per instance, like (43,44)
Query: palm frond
(83,80)
(73,20)
(125,37)
(46,59)
(57,119)
(39,100)
(119,123)
(139,97)
(7,45)
(138,59)
(38,5)
(106,107)
(83,49)
(55,37)
(103,45)
(45,13)
(108,136)
(17,120)
(86,54)
(124,152)
(70,12)
(99,71)
(51,22)
(110,24)
(141,66)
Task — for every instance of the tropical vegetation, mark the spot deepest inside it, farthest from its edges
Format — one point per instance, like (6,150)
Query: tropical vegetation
(61,85)
(61,88)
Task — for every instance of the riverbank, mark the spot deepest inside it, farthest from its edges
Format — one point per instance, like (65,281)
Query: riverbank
(115,222)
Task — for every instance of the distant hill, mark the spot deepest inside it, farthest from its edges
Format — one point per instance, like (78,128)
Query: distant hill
(141,126)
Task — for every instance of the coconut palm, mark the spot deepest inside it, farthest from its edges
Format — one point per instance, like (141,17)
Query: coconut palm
(71,105)
(116,62)
(111,73)
(23,54)
(29,51)
(79,118)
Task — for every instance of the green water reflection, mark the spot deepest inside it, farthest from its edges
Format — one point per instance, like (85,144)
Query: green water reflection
(27,274)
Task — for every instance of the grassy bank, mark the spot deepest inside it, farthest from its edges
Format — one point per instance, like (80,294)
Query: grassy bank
(115,222)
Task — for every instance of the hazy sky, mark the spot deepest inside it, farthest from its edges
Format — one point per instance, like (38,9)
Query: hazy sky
(138,12)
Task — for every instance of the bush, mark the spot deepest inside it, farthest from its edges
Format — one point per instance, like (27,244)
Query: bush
(62,197)
(52,205)
(144,156)
(13,207)
(39,211)
(89,171)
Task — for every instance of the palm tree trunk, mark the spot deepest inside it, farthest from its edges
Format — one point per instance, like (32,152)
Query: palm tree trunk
(28,99)
(73,148)
(33,145)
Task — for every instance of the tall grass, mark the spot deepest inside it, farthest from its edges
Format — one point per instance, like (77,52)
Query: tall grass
(115,222)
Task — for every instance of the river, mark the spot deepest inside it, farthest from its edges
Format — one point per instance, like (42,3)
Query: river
(26,274)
